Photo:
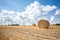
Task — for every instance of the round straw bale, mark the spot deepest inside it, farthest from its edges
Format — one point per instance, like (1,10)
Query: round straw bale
(33,24)
(43,24)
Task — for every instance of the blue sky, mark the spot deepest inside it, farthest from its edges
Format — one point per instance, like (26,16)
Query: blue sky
(39,9)
(19,5)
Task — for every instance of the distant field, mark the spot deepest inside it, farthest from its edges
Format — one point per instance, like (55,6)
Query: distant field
(29,33)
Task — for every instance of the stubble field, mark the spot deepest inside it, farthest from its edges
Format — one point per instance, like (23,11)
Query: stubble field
(28,33)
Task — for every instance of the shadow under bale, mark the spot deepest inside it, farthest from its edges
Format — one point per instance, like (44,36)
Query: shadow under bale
(43,24)
(2,37)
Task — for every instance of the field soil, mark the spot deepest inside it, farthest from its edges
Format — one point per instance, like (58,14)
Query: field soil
(28,33)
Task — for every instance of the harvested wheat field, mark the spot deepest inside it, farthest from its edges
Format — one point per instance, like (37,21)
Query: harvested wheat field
(28,33)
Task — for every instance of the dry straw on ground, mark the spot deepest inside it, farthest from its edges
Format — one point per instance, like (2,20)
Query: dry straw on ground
(43,24)
(2,37)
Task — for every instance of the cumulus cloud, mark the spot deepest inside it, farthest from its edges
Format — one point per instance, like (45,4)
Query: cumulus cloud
(57,12)
(48,8)
(6,16)
(52,19)
(6,12)
(31,14)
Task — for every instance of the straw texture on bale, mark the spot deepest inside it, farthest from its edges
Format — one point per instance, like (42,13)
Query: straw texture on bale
(2,37)
(43,24)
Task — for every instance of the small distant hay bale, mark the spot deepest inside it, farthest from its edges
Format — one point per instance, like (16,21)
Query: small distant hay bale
(43,24)
(2,37)
(33,24)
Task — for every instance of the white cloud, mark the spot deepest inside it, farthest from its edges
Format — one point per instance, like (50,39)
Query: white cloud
(6,15)
(31,14)
(57,12)
(48,8)
(44,18)
(52,19)
(7,12)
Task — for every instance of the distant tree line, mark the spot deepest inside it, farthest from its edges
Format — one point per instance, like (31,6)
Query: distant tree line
(57,24)
(13,24)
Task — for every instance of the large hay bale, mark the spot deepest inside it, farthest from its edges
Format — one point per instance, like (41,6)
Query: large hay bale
(43,24)
(2,37)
